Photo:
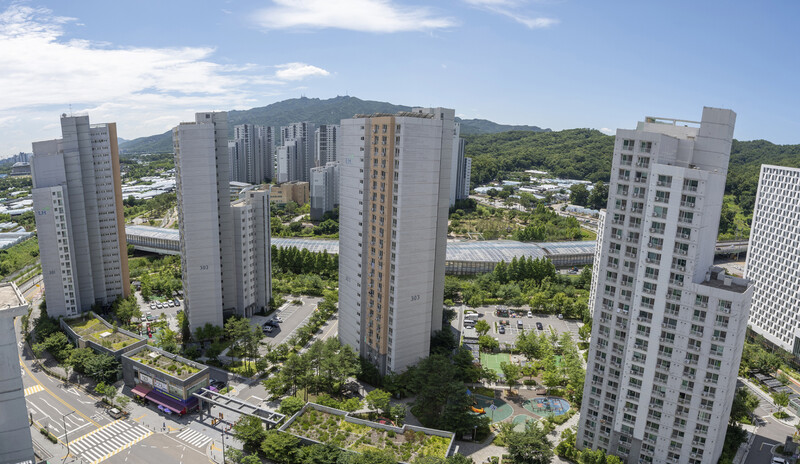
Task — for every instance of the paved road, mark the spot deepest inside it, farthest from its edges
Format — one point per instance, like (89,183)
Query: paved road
(293,316)
(771,432)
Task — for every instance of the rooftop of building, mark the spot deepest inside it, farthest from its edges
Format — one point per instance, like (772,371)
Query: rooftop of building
(406,114)
(90,327)
(718,279)
(10,296)
(168,363)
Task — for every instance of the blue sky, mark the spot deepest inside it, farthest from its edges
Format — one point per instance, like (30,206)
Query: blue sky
(553,63)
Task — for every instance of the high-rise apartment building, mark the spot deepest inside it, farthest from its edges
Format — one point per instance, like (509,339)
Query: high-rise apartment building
(325,144)
(212,254)
(253,250)
(77,196)
(303,134)
(773,258)
(324,189)
(394,197)
(289,161)
(250,154)
(668,327)
(461,168)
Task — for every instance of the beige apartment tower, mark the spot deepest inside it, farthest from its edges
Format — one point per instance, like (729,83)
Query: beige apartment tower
(394,197)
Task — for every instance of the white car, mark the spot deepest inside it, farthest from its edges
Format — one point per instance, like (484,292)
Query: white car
(777,460)
(530,314)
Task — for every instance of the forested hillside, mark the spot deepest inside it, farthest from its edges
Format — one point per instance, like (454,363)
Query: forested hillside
(572,154)
(315,110)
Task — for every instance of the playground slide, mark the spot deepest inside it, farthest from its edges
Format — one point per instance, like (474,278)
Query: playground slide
(476,410)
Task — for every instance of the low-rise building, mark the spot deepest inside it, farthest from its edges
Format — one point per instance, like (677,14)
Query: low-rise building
(91,331)
(163,378)
(297,192)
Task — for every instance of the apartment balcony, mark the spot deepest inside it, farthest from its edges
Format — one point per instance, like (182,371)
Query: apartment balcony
(677,282)
(638,195)
(629,254)
(641,180)
(687,204)
(689,188)
(679,268)
(636,210)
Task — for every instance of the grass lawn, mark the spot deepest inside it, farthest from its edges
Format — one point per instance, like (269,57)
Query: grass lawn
(493,361)
(91,328)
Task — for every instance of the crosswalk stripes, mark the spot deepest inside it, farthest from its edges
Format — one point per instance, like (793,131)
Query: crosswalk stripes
(99,445)
(194,438)
(33,389)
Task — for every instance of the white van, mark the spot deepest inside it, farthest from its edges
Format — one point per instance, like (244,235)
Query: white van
(519,324)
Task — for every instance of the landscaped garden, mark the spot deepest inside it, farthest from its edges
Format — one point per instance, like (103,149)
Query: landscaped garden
(91,328)
(336,431)
(165,364)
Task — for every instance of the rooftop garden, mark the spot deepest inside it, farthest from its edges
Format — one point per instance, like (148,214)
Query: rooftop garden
(336,431)
(165,364)
(91,328)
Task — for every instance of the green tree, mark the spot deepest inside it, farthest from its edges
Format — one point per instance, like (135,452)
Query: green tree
(102,368)
(781,398)
(378,400)
(56,344)
(530,446)
(512,373)
(106,391)
(744,405)
(579,195)
(319,454)
(487,343)
(279,446)
(598,197)
(482,327)
(250,432)
(290,405)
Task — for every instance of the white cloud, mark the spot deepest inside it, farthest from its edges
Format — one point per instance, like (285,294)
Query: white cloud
(379,16)
(297,71)
(511,9)
(145,90)
(607,131)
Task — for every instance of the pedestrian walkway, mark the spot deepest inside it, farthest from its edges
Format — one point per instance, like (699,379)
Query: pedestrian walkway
(194,438)
(33,389)
(99,445)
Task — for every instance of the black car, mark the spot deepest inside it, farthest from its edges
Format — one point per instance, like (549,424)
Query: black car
(539,326)
(270,323)
(218,384)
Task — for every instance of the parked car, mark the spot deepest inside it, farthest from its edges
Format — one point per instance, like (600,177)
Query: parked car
(268,328)
(777,460)
(177,302)
(270,323)
(218,384)
(502,329)
(116,413)
(150,317)
(519,324)
(171,304)
(539,326)
(159,306)
(277,319)
(530,314)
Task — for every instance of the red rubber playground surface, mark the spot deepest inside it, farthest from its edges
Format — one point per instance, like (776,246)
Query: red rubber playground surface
(550,406)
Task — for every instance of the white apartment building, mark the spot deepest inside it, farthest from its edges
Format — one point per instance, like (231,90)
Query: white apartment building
(250,154)
(668,327)
(325,144)
(394,197)
(303,134)
(324,189)
(253,251)
(773,258)
(461,168)
(209,230)
(290,162)
(77,197)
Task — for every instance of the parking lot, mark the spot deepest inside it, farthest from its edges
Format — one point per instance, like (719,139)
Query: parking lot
(548,321)
(293,317)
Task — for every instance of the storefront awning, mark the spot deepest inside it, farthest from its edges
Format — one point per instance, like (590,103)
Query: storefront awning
(164,400)
(141,390)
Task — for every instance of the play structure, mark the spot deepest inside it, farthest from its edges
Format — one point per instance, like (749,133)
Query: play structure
(478,410)
(548,406)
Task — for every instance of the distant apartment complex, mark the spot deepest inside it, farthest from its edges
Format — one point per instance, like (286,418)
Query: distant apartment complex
(324,189)
(250,154)
(77,197)
(773,258)
(325,144)
(668,327)
(298,141)
(461,168)
(394,197)
(225,262)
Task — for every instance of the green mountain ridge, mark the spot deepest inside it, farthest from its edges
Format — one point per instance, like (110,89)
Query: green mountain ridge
(318,111)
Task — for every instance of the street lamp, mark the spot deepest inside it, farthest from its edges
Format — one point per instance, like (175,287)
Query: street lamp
(66,437)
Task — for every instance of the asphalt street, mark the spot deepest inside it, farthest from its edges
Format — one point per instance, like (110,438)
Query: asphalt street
(770,433)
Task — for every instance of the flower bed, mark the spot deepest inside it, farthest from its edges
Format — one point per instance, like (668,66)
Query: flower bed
(335,430)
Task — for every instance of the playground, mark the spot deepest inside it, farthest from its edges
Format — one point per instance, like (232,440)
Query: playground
(493,361)
(549,406)
(521,420)
(484,403)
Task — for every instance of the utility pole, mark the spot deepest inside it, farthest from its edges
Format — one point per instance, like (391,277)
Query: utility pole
(66,437)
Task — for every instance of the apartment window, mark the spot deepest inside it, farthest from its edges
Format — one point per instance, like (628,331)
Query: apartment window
(627,144)
(645,147)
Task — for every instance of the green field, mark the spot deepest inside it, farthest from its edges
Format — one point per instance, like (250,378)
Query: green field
(492,361)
